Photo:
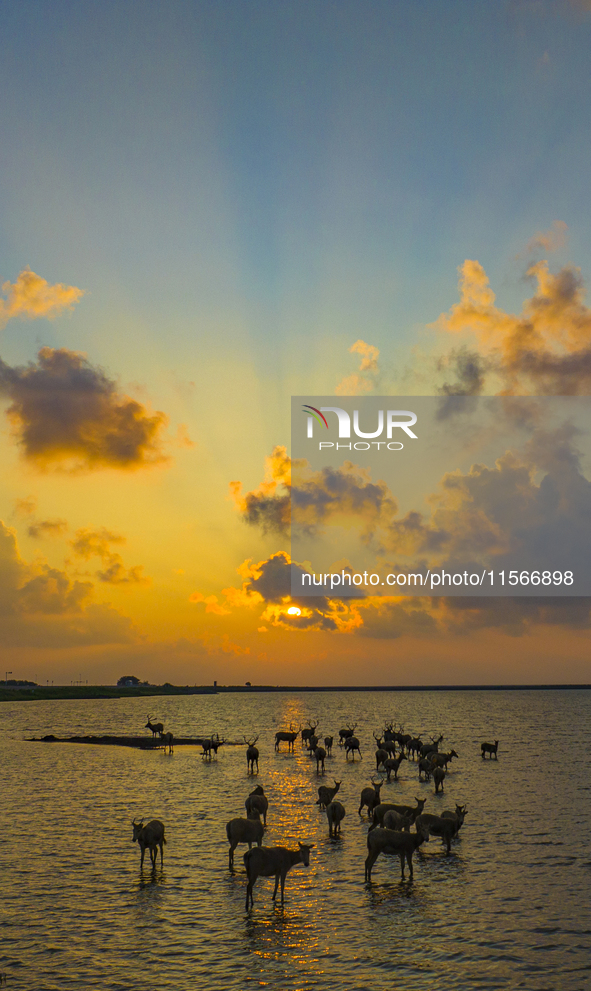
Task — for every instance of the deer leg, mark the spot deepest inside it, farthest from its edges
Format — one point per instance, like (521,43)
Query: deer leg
(282,887)
(142,858)
(276,886)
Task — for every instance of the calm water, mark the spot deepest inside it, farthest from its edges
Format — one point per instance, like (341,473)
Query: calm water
(508,909)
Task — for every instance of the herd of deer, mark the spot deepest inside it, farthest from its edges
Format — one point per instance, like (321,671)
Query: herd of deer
(390,828)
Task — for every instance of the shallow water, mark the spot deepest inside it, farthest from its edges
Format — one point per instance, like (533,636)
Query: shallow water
(509,907)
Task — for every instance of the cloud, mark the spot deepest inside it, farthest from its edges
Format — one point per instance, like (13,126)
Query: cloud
(31,297)
(47,528)
(42,606)
(88,543)
(211,603)
(68,414)
(268,506)
(346,492)
(544,350)
(353,385)
(551,240)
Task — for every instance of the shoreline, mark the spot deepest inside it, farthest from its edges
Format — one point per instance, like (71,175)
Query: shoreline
(64,692)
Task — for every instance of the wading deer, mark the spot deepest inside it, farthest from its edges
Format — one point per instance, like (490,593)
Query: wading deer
(252,755)
(344,734)
(211,745)
(167,739)
(370,797)
(149,837)
(257,802)
(243,831)
(157,728)
(382,810)
(335,813)
(393,842)
(308,733)
(273,861)
(352,747)
(319,754)
(328,741)
(436,826)
(438,778)
(490,749)
(457,816)
(326,794)
(284,737)
(392,764)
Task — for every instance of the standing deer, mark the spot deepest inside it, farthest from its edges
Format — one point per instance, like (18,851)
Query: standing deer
(157,728)
(328,740)
(352,746)
(344,734)
(257,803)
(490,749)
(319,754)
(252,755)
(212,744)
(167,739)
(265,861)
(335,813)
(150,836)
(326,794)
(308,733)
(284,737)
(393,842)
(371,796)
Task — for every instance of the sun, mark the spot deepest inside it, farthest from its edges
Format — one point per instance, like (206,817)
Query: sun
(294,611)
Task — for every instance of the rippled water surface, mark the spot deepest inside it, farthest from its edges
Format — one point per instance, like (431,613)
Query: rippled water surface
(509,908)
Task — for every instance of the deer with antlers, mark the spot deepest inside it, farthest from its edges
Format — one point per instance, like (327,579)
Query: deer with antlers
(157,728)
(282,736)
(252,755)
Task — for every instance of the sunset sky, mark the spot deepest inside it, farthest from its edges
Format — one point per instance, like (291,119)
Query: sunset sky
(209,207)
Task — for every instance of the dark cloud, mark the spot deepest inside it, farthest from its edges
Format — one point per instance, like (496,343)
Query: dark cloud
(47,528)
(88,543)
(42,606)
(68,414)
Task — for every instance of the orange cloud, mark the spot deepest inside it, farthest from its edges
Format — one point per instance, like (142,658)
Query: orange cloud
(47,528)
(354,384)
(211,603)
(31,297)
(68,414)
(544,350)
(88,543)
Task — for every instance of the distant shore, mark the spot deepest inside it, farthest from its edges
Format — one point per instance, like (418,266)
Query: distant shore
(49,693)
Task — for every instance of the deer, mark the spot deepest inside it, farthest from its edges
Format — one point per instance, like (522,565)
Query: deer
(265,861)
(414,746)
(308,733)
(393,764)
(319,754)
(370,797)
(352,746)
(490,749)
(442,760)
(167,739)
(257,802)
(151,836)
(328,741)
(335,813)
(393,820)
(249,831)
(393,842)
(381,811)
(211,744)
(457,816)
(438,778)
(284,737)
(425,766)
(436,826)
(326,794)
(344,734)
(252,755)
(389,733)
(430,748)
(157,728)
(406,810)
(381,752)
